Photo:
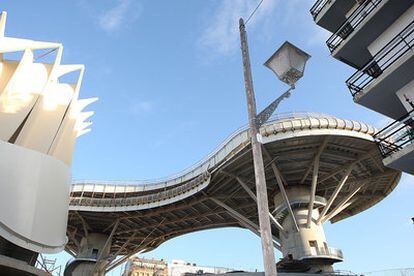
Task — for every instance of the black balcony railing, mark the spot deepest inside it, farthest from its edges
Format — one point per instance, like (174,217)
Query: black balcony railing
(388,55)
(397,135)
(318,6)
(351,23)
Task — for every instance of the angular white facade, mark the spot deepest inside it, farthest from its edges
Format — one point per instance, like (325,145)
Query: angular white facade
(40,118)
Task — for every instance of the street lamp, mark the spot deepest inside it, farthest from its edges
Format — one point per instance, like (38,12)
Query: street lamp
(288,63)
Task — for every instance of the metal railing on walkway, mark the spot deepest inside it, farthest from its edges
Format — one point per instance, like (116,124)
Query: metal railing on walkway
(318,6)
(387,56)
(228,146)
(351,23)
(80,199)
(396,135)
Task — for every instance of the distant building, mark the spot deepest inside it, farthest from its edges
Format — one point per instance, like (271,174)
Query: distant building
(181,268)
(145,267)
(150,267)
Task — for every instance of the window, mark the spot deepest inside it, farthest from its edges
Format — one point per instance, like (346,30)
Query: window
(94,253)
(313,244)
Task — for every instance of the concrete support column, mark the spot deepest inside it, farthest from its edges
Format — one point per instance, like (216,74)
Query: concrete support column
(306,245)
(302,243)
(92,257)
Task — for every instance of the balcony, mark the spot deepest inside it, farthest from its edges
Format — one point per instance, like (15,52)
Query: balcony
(366,23)
(396,143)
(334,254)
(330,14)
(375,85)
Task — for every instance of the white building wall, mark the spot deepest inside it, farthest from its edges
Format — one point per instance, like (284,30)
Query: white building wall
(392,31)
(179,267)
(34,199)
(406,96)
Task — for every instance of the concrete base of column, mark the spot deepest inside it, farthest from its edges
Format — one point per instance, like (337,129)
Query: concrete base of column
(92,249)
(305,250)
(83,267)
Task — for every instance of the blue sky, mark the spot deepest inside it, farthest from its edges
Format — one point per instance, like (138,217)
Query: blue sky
(169,78)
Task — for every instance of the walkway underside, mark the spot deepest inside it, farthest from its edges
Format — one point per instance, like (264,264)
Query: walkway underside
(221,194)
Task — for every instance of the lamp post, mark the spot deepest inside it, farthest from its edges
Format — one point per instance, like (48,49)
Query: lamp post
(288,63)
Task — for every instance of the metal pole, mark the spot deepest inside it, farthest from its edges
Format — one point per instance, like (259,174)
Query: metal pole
(262,201)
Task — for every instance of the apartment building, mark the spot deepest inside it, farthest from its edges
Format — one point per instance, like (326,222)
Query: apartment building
(182,268)
(376,37)
(137,266)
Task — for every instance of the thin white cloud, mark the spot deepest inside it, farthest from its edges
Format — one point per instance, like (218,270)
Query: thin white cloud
(141,107)
(123,13)
(221,36)
(295,13)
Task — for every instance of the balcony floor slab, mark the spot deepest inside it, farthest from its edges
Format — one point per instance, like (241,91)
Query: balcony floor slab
(381,96)
(333,14)
(354,49)
(402,160)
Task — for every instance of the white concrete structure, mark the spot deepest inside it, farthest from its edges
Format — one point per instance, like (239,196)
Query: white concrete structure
(40,119)
(377,38)
(318,168)
(307,242)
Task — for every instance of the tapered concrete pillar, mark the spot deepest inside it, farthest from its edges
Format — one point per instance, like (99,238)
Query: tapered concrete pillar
(92,257)
(307,246)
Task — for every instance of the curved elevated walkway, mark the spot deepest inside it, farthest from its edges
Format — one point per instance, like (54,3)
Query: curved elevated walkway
(141,215)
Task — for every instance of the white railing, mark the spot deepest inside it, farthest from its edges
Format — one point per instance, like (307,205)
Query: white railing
(318,6)
(209,161)
(325,251)
(80,200)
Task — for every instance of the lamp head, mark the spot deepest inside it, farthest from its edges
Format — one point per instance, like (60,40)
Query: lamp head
(288,63)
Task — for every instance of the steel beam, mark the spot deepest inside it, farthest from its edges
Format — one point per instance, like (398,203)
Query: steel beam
(84,224)
(70,251)
(246,188)
(255,231)
(183,219)
(169,210)
(72,237)
(335,193)
(313,190)
(349,164)
(123,259)
(144,247)
(317,157)
(243,220)
(107,243)
(315,163)
(279,181)
(234,213)
(341,206)
(162,237)
(253,196)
